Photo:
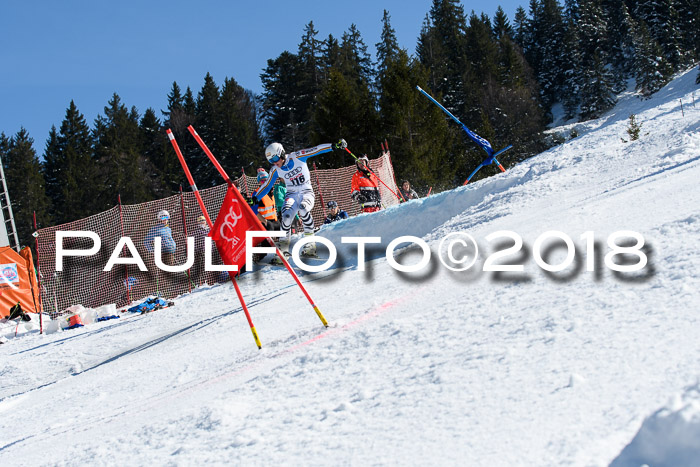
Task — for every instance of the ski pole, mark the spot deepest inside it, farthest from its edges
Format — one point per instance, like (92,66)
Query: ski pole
(375,174)
(211,225)
(222,172)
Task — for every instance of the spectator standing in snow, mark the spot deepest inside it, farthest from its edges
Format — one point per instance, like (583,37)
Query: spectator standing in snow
(279,192)
(407,192)
(162,230)
(365,187)
(199,234)
(266,213)
(266,209)
(334,213)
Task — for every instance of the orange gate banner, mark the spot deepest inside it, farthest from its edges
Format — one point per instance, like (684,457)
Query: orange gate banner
(16,282)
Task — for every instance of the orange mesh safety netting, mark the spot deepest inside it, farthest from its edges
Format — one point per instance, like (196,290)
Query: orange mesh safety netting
(84,282)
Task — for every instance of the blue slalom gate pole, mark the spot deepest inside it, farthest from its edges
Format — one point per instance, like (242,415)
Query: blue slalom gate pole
(481,142)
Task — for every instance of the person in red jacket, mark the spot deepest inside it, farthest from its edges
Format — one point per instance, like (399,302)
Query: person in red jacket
(365,187)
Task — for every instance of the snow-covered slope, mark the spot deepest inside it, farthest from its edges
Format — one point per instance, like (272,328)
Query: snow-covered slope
(434,367)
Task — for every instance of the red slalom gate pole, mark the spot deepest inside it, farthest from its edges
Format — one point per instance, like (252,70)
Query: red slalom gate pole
(259,225)
(38,277)
(211,225)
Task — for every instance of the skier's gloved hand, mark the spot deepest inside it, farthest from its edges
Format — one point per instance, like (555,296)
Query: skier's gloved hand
(341,144)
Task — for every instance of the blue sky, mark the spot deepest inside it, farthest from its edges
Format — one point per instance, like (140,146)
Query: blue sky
(53,52)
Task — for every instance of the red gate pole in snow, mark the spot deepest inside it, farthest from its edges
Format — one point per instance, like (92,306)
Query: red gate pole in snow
(257,221)
(211,225)
(38,276)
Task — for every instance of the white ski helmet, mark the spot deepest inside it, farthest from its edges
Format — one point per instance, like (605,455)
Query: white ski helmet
(274,152)
(163,215)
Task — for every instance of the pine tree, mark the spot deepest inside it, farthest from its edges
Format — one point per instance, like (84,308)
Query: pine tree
(25,184)
(4,146)
(522,29)
(118,152)
(544,54)
(353,114)
(165,173)
(592,29)
(482,52)
(596,89)
(330,56)
(345,110)
(501,25)
(662,22)
(189,106)
(515,109)
(238,141)
(175,108)
(310,80)
(280,101)
(442,50)
(634,128)
(179,115)
(356,62)
(71,175)
(651,71)
(206,123)
(415,128)
(51,170)
(387,49)
(573,73)
(688,25)
(620,42)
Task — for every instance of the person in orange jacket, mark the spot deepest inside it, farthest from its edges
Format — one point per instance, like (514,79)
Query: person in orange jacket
(266,209)
(365,187)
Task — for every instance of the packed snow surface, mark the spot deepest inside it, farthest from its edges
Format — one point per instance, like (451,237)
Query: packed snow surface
(434,367)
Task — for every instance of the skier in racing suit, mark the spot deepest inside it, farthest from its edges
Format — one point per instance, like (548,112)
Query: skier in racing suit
(300,196)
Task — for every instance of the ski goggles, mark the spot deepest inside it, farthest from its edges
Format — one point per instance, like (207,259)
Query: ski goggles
(164,218)
(274,159)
